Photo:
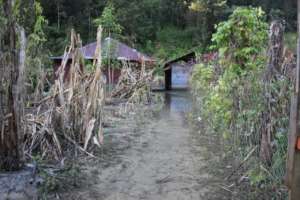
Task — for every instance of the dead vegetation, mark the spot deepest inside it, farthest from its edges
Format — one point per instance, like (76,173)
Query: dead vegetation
(72,112)
(133,85)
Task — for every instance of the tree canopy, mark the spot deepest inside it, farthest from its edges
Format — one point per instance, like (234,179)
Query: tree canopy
(152,25)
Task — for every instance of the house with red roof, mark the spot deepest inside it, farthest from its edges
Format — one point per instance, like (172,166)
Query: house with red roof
(112,50)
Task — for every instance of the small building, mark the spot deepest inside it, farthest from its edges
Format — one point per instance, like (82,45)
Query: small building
(179,70)
(113,50)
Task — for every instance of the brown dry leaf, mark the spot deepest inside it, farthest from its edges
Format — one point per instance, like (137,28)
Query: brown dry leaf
(100,135)
(88,133)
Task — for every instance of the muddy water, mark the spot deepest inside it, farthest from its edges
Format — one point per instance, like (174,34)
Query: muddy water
(163,158)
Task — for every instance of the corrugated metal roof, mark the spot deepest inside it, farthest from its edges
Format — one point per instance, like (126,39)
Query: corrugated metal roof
(185,57)
(114,49)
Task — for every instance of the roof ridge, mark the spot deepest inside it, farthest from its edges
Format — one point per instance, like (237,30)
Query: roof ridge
(122,51)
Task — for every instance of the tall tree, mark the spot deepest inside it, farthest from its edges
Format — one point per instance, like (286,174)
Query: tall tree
(111,27)
(209,11)
(109,21)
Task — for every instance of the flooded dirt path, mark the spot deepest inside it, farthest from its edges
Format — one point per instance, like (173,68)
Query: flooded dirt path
(162,159)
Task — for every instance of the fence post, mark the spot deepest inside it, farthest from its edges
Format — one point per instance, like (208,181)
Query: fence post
(293,157)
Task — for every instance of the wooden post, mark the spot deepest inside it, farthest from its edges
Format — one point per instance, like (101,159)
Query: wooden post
(293,157)
(12,68)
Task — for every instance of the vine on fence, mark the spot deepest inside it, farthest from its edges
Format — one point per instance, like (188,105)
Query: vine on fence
(243,100)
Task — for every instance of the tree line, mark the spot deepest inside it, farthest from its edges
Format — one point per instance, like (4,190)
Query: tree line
(163,28)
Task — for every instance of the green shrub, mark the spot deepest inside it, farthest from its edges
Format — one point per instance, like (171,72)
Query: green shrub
(291,41)
(232,94)
(174,42)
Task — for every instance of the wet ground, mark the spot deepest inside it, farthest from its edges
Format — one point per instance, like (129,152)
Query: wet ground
(161,156)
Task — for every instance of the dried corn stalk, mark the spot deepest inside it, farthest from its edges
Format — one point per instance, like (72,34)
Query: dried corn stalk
(73,111)
(133,85)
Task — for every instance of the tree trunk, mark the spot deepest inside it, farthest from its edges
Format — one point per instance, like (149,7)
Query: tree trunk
(12,63)
(275,55)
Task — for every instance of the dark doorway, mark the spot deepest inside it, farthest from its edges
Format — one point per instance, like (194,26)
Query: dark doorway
(168,79)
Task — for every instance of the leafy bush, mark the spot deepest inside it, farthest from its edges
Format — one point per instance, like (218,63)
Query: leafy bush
(241,58)
(241,40)
(291,41)
(232,95)
(174,42)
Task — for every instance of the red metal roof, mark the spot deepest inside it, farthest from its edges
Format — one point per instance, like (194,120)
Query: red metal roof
(114,49)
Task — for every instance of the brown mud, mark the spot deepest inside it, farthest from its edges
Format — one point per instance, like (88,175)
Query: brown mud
(156,156)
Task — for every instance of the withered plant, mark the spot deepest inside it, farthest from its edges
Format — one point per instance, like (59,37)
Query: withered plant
(71,115)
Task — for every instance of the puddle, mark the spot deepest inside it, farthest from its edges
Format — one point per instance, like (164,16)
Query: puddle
(156,158)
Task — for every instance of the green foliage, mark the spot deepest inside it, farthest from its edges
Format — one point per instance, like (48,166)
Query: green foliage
(208,13)
(38,34)
(2,19)
(207,6)
(202,76)
(257,175)
(232,93)
(291,41)
(143,21)
(240,49)
(173,42)
(37,57)
(28,15)
(241,57)
(159,71)
(108,21)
